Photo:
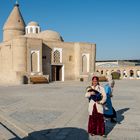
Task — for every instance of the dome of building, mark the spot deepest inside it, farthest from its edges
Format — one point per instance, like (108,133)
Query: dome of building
(33,23)
(33,27)
(15,20)
(50,35)
(14,25)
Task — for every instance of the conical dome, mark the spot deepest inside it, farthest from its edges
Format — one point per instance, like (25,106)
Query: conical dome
(14,25)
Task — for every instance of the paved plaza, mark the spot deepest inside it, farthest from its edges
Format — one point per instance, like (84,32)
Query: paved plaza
(58,111)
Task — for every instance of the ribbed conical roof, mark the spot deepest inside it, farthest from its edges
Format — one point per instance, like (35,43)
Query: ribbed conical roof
(15,20)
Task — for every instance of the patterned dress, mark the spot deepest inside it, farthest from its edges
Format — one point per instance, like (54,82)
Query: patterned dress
(96,125)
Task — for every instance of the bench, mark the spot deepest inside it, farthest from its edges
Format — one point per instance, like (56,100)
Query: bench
(39,79)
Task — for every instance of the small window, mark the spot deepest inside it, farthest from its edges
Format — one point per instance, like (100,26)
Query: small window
(26,31)
(43,57)
(31,30)
(56,56)
(101,71)
(70,58)
(37,30)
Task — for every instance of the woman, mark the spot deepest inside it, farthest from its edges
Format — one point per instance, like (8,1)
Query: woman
(96,125)
(109,111)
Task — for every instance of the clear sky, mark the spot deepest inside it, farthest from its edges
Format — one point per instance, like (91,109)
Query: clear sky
(114,25)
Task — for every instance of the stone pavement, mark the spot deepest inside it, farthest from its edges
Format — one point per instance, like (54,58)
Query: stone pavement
(58,111)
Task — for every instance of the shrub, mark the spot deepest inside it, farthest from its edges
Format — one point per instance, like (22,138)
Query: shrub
(81,79)
(115,75)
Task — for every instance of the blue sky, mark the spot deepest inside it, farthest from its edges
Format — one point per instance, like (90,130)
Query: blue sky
(114,25)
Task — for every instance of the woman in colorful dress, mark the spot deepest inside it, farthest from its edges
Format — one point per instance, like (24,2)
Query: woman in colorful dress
(96,125)
(109,111)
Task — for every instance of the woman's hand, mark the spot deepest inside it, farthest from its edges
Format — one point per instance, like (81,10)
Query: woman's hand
(92,93)
(111,95)
(99,102)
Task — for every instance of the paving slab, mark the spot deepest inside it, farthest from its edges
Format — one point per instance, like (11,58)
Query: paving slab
(58,111)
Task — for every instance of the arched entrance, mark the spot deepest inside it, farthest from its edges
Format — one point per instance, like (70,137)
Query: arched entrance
(131,73)
(102,72)
(57,73)
(35,62)
(57,68)
(107,72)
(84,64)
(138,73)
(125,74)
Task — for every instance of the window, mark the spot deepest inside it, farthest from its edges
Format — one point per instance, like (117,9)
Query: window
(36,30)
(70,58)
(26,31)
(43,57)
(84,64)
(31,30)
(56,56)
(101,71)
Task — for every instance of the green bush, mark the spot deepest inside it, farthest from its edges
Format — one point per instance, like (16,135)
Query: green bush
(81,79)
(115,75)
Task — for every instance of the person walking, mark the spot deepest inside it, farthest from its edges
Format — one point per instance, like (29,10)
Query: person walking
(96,125)
(109,111)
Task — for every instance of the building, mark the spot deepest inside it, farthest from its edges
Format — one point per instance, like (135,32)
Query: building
(128,69)
(27,51)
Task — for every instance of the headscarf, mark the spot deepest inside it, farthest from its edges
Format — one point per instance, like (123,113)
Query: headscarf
(111,82)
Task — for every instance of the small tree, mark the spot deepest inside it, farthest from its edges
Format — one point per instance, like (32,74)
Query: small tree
(115,75)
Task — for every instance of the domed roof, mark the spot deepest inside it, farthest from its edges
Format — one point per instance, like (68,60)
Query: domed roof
(33,23)
(50,35)
(15,20)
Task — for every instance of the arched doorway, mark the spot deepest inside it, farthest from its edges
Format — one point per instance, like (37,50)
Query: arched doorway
(131,73)
(102,72)
(107,72)
(138,73)
(57,68)
(57,72)
(34,61)
(84,64)
(125,74)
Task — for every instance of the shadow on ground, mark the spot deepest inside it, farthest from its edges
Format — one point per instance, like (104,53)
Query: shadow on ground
(120,118)
(68,133)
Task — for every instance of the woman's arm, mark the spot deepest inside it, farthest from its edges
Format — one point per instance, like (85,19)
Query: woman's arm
(108,91)
(111,95)
(88,94)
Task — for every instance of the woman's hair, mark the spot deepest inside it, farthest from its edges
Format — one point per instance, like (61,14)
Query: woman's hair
(97,78)
(111,82)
